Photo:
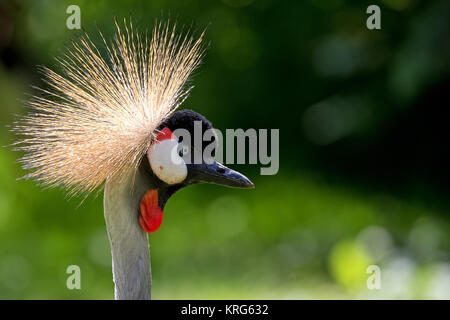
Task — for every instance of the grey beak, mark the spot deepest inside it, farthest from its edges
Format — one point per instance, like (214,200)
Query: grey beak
(217,173)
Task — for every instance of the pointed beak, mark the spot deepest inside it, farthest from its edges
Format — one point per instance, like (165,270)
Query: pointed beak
(217,173)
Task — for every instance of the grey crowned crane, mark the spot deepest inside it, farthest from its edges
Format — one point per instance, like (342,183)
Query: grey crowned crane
(112,123)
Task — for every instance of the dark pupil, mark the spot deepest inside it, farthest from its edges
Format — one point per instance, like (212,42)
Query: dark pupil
(180,152)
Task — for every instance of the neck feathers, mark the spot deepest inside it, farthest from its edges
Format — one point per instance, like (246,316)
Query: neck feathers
(129,243)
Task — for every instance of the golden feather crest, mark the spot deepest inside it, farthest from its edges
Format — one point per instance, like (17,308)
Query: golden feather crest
(99,116)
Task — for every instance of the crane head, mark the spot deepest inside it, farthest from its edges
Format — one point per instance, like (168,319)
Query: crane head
(176,161)
(105,118)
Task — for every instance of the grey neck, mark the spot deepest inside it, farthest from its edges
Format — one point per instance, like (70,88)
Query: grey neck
(129,243)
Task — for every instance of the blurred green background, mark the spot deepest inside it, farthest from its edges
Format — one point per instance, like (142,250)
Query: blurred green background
(364,164)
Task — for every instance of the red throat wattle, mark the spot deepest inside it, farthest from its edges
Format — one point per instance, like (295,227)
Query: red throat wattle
(151,214)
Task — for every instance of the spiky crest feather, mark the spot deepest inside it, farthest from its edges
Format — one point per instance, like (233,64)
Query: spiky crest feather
(97,120)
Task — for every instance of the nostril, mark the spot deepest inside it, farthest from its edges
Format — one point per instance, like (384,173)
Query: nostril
(220,170)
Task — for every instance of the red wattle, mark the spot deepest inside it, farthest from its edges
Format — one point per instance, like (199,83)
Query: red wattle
(151,214)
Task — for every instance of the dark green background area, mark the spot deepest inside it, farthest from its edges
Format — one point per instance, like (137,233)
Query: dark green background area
(364,161)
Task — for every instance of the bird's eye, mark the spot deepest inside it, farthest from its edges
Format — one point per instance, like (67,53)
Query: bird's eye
(166,163)
(184,150)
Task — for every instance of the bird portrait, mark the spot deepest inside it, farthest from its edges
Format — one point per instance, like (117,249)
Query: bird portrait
(106,121)
(215,158)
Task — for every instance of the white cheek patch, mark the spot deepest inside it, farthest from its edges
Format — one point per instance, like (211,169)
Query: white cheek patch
(165,162)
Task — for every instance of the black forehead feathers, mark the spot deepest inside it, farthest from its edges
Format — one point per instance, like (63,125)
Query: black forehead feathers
(184,119)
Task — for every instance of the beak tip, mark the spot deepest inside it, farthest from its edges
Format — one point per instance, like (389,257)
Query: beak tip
(247,184)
